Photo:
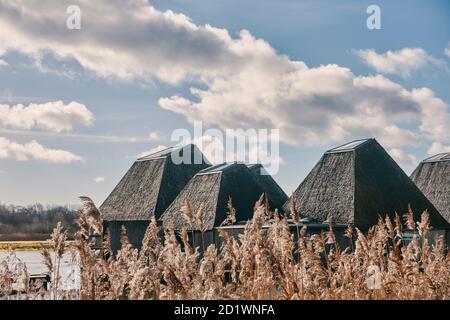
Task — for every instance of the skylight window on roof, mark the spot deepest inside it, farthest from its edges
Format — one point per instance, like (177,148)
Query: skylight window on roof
(438,157)
(349,146)
(158,154)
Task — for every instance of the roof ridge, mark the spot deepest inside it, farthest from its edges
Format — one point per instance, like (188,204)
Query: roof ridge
(163,153)
(439,157)
(350,146)
(226,166)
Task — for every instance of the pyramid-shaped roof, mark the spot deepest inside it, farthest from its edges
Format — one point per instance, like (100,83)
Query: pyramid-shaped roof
(358,182)
(211,188)
(432,177)
(273,191)
(151,184)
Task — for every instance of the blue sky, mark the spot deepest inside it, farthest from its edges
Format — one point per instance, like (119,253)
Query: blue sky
(122,90)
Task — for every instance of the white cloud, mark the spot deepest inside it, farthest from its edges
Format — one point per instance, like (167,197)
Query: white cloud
(316,105)
(216,152)
(164,44)
(99,179)
(86,138)
(2,62)
(437,147)
(393,136)
(239,82)
(402,62)
(33,150)
(447,50)
(55,116)
(156,136)
(403,159)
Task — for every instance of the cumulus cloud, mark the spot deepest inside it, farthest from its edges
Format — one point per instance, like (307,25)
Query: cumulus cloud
(238,82)
(392,136)
(2,62)
(403,159)
(164,44)
(217,151)
(55,116)
(447,50)
(402,62)
(99,179)
(33,150)
(316,105)
(156,136)
(437,147)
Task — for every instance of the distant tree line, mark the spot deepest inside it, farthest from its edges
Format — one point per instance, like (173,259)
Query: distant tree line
(34,222)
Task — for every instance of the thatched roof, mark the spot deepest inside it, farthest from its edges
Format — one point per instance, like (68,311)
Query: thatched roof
(432,177)
(151,184)
(274,193)
(358,182)
(211,188)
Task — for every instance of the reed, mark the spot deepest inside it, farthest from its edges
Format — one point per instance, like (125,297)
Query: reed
(259,264)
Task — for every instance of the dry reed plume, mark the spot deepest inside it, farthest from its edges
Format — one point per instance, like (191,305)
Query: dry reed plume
(261,264)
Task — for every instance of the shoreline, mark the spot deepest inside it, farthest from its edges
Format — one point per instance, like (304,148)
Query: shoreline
(17,246)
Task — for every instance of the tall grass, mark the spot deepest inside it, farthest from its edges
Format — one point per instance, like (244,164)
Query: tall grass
(260,264)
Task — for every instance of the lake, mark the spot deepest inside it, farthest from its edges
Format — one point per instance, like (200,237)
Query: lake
(69,270)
